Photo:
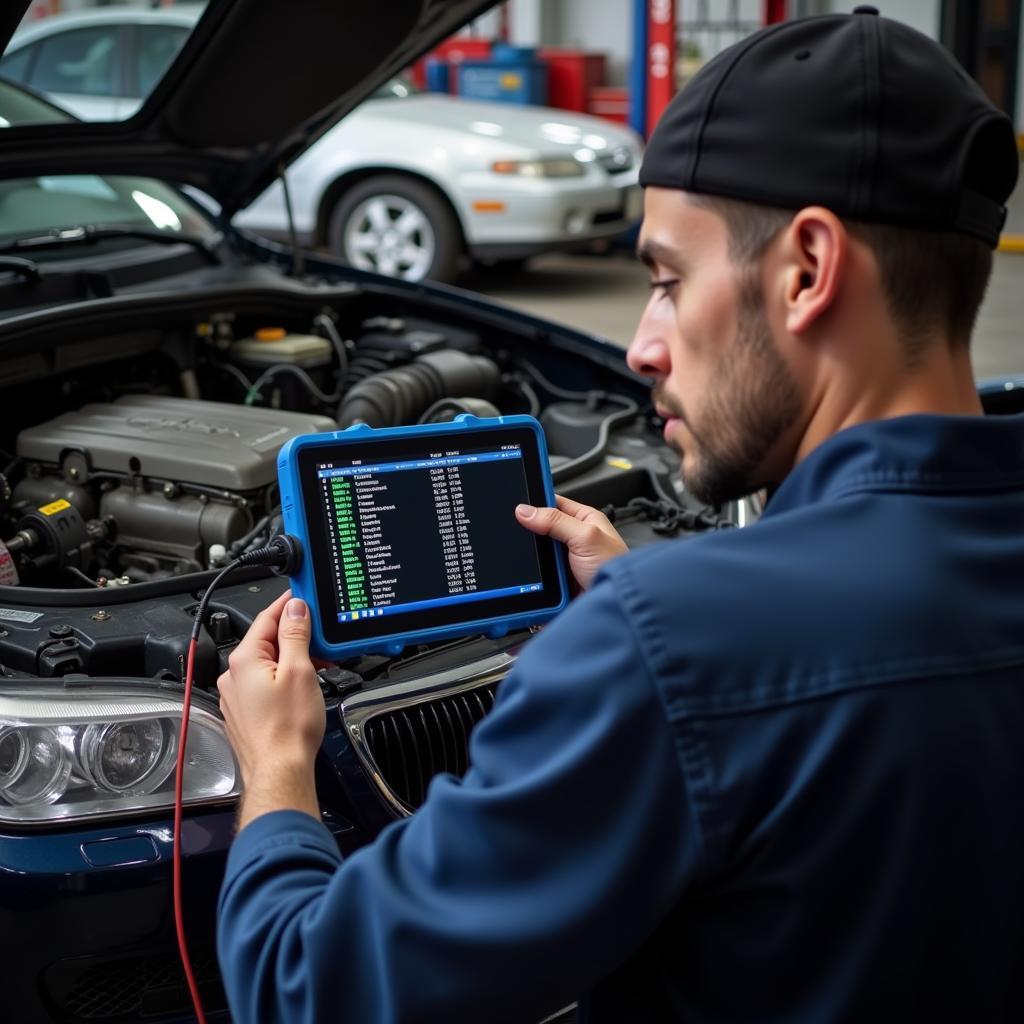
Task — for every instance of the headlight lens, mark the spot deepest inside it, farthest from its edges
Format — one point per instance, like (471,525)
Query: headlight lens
(34,767)
(554,167)
(123,757)
(66,756)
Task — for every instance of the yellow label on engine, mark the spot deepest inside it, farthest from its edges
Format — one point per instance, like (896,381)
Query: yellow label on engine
(618,463)
(510,80)
(54,507)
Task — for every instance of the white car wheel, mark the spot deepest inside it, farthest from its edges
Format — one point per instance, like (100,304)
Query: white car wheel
(396,227)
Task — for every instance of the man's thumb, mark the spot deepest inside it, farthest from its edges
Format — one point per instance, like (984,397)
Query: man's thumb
(293,630)
(547,522)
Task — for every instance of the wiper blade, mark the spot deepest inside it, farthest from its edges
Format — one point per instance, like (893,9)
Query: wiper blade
(18,265)
(86,233)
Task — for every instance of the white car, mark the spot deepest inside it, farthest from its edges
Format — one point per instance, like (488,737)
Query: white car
(408,184)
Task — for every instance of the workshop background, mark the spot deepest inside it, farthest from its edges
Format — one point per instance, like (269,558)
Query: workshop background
(621,61)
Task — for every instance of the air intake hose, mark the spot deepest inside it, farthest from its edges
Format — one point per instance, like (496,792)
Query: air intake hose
(399,397)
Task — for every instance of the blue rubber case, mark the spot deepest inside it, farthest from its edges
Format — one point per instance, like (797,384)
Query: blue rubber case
(296,524)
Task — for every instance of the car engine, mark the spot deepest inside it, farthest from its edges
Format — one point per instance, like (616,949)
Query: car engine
(131,486)
(148,486)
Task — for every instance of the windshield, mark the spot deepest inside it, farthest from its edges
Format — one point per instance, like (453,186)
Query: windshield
(35,206)
(97,60)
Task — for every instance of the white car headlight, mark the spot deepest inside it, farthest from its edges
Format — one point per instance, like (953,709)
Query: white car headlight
(553,167)
(66,755)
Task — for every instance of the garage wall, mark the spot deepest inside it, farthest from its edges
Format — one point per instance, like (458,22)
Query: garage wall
(604,26)
(920,14)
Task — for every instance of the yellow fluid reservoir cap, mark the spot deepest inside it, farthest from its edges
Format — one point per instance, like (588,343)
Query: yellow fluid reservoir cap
(270,333)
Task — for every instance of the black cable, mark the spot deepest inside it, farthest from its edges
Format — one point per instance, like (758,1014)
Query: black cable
(331,330)
(592,457)
(295,371)
(204,601)
(531,397)
(237,546)
(282,554)
(563,393)
(589,458)
(526,390)
(76,572)
(237,374)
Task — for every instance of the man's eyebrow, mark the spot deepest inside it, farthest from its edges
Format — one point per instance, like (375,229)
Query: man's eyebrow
(651,252)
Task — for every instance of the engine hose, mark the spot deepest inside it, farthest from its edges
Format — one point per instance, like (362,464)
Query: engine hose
(591,458)
(400,396)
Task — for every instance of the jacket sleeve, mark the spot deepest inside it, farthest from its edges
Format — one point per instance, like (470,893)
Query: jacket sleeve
(508,894)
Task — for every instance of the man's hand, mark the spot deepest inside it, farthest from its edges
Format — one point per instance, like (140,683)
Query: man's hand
(274,711)
(585,531)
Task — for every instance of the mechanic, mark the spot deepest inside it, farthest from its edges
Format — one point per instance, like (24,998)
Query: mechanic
(768,774)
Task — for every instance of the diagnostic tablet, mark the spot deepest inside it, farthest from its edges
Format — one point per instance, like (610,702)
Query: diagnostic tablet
(409,533)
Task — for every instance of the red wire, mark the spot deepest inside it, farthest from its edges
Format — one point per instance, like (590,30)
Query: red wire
(179,919)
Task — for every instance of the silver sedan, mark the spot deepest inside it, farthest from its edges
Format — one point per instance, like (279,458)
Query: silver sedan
(410,184)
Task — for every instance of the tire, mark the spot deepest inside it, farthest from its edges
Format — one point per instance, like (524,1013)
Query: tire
(396,226)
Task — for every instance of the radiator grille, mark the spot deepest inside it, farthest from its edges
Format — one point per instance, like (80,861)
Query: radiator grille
(412,744)
(135,988)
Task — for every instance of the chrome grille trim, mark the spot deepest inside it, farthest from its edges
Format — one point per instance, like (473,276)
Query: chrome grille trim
(374,716)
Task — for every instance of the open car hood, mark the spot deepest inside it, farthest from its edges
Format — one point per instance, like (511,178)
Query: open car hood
(255,85)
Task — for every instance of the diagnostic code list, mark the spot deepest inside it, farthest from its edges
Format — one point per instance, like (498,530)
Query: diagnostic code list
(402,536)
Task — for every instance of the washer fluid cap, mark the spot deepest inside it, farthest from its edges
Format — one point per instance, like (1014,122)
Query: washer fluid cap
(270,333)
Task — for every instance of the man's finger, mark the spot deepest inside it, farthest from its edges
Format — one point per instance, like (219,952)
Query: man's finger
(584,513)
(550,522)
(293,632)
(572,508)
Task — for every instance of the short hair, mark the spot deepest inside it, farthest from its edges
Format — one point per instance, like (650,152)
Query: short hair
(930,279)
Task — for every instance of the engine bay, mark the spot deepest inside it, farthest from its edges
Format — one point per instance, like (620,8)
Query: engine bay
(138,461)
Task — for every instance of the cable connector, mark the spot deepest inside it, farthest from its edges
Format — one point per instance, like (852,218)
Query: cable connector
(283,554)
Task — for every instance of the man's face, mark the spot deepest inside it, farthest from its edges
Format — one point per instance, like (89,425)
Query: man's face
(725,392)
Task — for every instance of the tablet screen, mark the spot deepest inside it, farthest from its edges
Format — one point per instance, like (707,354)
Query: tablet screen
(409,534)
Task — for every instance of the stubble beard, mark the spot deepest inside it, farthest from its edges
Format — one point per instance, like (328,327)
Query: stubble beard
(751,403)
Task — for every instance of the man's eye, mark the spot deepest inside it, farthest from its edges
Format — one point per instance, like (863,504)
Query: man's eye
(666,286)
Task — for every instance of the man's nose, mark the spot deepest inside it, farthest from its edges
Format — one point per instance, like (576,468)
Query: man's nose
(647,353)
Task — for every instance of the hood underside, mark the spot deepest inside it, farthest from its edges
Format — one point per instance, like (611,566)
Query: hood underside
(254,86)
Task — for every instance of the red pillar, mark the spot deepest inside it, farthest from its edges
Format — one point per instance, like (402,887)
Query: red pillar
(661,58)
(773,11)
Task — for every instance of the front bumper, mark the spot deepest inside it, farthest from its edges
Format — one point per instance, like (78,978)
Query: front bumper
(523,217)
(88,922)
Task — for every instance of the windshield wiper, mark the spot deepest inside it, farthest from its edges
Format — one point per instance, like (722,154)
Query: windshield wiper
(18,265)
(86,233)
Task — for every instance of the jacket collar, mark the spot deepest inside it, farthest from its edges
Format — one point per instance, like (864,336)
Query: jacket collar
(914,454)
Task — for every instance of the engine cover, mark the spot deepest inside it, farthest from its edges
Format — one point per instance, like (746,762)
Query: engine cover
(230,447)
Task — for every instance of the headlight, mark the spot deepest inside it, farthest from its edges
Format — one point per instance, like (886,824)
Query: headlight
(87,754)
(555,167)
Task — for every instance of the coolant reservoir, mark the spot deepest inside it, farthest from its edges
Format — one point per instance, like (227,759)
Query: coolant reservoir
(274,345)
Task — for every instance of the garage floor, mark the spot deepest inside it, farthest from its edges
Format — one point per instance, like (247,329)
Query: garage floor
(605,294)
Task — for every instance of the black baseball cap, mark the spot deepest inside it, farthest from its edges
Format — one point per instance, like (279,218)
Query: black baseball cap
(855,112)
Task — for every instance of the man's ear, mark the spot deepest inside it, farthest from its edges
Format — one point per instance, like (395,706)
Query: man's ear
(814,252)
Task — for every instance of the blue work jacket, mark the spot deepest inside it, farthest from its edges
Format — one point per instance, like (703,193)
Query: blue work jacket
(772,774)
